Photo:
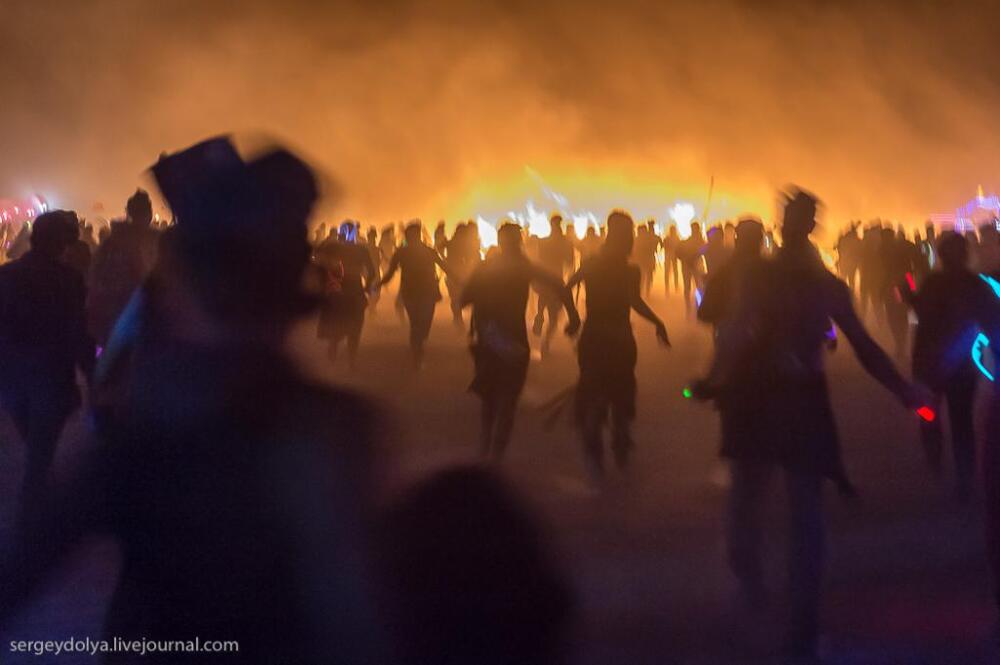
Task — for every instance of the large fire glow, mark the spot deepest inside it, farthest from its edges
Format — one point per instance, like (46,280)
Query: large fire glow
(584,200)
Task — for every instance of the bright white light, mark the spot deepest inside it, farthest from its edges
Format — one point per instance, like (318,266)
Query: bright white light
(582,221)
(682,214)
(536,222)
(487,233)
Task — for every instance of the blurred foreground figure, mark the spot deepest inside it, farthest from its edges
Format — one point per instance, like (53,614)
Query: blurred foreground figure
(952,306)
(607,349)
(122,262)
(498,293)
(419,289)
(776,414)
(43,340)
(237,491)
(472,580)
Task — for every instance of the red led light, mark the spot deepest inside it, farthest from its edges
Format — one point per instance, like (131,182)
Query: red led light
(927,413)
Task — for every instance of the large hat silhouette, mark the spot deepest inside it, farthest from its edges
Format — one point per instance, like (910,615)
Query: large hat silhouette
(241,224)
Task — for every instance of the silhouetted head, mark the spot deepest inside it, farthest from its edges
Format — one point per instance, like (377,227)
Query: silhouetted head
(715,236)
(241,238)
(953,251)
(139,208)
(672,231)
(799,217)
(696,230)
(414,233)
(621,234)
(555,225)
(53,232)
(472,578)
(510,238)
(749,236)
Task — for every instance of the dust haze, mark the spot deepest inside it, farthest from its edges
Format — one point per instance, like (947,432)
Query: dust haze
(883,109)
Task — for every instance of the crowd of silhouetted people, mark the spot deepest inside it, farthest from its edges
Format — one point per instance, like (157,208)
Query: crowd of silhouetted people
(243,496)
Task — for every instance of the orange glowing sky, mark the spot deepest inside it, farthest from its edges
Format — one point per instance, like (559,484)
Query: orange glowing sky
(438,109)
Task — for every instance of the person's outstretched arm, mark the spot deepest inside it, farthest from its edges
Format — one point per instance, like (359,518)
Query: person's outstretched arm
(550,281)
(442,263)
(369,269)
(875,361)
(643,309)
(390,272)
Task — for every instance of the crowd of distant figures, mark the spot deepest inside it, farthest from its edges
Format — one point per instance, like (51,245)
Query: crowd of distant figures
(881,264)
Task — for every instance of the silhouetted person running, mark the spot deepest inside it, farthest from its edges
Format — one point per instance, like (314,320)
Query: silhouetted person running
(644,256)
(991,443)
(497,291)
(462,258)
(690,253)
(237,491)
(590,244)
(419,288)
(849,255)
(375,255)
(897,257)
(723,289)
(951,306)
(671,271)
(121,263)
(43,341)
(872,274)
(607,349)
(556,255)
(348,271)
(776,414)
(717,253)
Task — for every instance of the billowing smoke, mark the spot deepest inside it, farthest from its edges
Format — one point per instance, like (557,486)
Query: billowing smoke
(434,109)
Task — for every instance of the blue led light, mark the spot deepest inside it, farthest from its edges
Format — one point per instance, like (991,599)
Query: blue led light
(992,281)
(982,341)
(978,347)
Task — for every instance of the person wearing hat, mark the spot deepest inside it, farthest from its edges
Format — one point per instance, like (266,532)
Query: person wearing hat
(43,341)
(238,491)
(607,350)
